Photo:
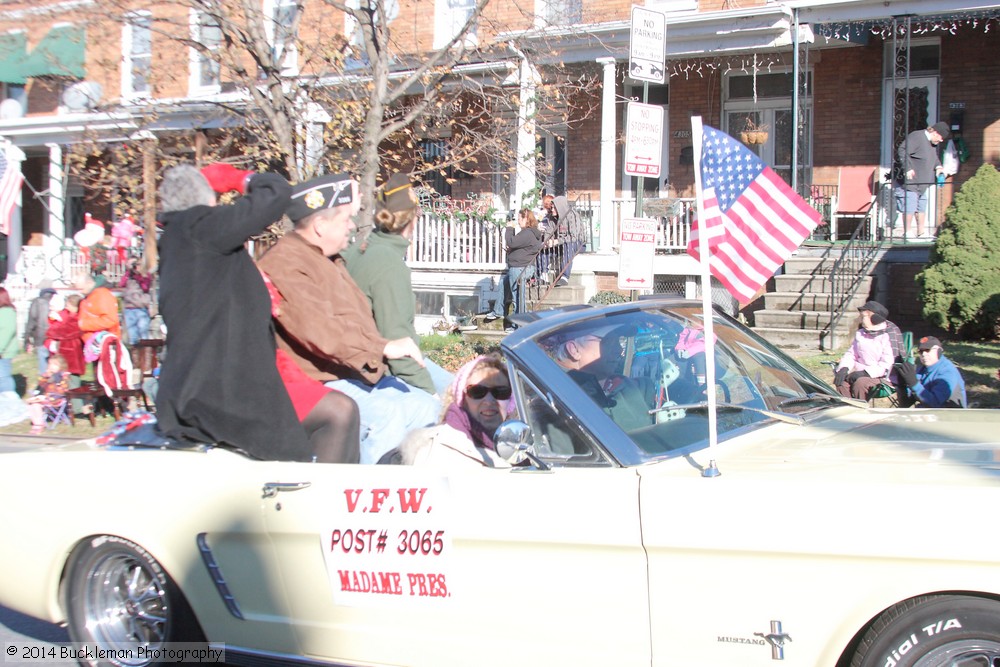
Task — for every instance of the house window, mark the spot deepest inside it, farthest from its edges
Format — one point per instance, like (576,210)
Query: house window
(560,12)
(462,305)
(430,303)
(280,30)
(667,6)
(924,58)
(15,91)
(766,100)
(351,28)
(450,17)
(434,152)
(205,31)
(137,55)
(551,163)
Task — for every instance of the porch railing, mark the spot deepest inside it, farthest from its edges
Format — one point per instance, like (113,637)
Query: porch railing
(69,262)
(441,243)
(857,258)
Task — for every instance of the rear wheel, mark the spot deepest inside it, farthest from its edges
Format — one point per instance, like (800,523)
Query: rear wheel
(934,631)
(121,599)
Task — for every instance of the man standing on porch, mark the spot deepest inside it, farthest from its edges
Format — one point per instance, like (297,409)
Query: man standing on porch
(918,164)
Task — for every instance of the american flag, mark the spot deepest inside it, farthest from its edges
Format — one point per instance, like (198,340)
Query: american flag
(753,220)
(10,188)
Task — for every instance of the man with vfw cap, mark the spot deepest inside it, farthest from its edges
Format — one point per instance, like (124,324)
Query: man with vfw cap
(325,323)
(936,382)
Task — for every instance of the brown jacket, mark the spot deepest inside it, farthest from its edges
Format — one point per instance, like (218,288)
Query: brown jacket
(324,321)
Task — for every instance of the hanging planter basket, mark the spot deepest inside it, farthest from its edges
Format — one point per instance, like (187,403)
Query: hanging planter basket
(754,135)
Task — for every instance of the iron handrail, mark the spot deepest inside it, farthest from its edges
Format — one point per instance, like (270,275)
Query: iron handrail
(856,259)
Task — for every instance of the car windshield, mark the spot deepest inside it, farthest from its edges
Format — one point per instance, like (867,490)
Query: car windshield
(646,370)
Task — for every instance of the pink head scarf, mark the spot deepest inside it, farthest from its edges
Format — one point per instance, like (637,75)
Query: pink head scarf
(458,418)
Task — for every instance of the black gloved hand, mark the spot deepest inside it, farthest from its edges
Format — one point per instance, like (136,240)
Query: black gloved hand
(839,377)
(907,373)
(856,375)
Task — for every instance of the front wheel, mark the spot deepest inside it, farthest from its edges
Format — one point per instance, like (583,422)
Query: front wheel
(934,631)
(121,599)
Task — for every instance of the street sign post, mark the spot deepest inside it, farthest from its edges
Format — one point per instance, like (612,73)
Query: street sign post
(643,139)
(637,246)
(647,45)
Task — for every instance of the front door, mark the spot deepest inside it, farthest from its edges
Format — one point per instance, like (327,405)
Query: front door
(906,109)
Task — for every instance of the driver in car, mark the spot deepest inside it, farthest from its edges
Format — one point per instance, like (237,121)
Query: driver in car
(592,357)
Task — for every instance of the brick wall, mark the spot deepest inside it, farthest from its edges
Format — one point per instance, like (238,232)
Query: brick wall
(583,145)
(978,87)
(897,289)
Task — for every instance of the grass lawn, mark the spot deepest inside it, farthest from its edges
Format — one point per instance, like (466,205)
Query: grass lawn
(26,378)
(978,362)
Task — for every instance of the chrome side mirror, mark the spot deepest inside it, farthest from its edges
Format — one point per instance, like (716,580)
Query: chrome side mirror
(513,441)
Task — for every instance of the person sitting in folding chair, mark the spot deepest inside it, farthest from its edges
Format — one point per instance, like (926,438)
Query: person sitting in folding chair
(870,356)
(48,403)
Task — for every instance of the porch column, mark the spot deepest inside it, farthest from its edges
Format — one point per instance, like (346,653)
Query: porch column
(316,119)
(15,234)
(606,237)
(524,174)
(57,195)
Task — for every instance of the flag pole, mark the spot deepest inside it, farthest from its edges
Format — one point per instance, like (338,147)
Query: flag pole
(697,135)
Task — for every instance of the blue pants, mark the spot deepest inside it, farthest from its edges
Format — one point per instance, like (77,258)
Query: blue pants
(441,378)
(389,410)
(42,353)
(136,324)
(517,276)
(7,375)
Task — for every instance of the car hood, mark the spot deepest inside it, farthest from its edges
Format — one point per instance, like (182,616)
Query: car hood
(905,445)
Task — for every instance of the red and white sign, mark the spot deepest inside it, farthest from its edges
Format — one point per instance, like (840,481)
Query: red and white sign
(390,545)
(643,139)
(636,249)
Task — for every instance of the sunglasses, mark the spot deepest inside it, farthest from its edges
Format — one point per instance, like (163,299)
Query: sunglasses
(478,391)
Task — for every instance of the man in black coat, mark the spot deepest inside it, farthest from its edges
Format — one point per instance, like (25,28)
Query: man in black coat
(918,164)
(220,382)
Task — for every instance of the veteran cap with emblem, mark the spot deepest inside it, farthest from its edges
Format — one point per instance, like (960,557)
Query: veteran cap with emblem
(320,193)
(398,195)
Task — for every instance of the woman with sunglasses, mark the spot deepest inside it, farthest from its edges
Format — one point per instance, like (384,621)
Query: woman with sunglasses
(478,401)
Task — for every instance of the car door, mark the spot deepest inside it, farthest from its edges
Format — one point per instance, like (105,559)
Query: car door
(407,565)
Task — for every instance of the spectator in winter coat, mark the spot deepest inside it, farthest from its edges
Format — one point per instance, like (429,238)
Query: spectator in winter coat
(936,382)
(99,308)
(37,325)
(522,248)
(870,356)
(9,346)
(136,300)
(917,165)
(570,236)
(66,340)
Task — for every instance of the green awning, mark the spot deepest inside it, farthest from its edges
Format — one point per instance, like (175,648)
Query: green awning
(12,57)
(60,53)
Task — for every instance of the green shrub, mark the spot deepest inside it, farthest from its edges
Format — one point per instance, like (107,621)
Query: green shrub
(607,297)
(961,285)
(450,352)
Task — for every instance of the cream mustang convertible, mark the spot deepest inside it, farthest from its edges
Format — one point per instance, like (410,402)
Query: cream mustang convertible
(810,529)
